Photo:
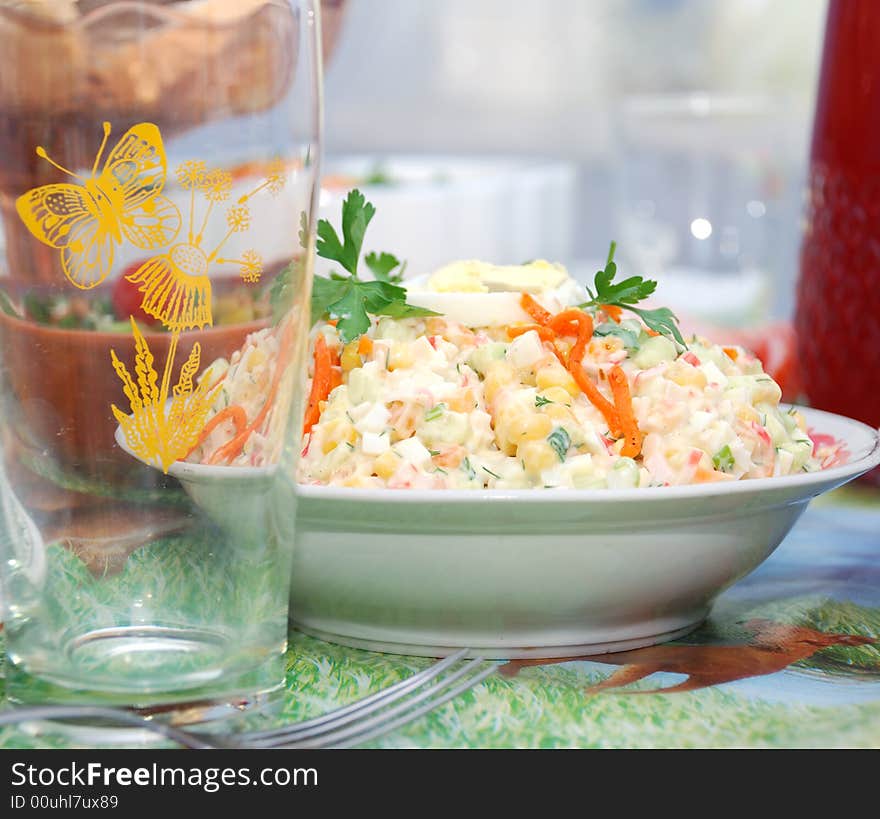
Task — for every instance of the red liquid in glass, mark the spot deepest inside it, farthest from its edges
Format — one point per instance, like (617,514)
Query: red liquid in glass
(838,300)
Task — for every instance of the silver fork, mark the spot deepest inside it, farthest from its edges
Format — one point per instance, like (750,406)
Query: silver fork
(360,721)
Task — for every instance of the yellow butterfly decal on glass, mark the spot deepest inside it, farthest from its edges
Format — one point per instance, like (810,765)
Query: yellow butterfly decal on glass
(124,203)
(121,203)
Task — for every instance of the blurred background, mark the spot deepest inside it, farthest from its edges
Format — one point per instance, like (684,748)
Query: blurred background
(509,130)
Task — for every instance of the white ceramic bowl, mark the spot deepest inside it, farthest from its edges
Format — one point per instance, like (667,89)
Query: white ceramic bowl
(532,573)
(234,497)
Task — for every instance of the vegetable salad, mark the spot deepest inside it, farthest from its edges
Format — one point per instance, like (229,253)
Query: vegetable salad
(243,429)
(431,403)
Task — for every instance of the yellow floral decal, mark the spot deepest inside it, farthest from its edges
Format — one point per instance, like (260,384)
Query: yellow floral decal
(154,432)
(121,203)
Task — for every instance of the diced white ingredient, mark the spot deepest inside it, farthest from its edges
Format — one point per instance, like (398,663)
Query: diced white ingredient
(448,428)
(375,420)
(624,475)
(525,350)
(423,352)
(713,374)
(364,383)
(373,444)
(412,451)
(701,419)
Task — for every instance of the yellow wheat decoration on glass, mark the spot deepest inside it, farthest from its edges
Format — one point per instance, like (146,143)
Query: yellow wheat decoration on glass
(176,290)
(152,433)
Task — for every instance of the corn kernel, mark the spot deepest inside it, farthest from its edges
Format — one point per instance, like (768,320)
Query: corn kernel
(350,358)
(536,456)
(400,357)
(386,464)
(537,426)
(336,432)
(555,375)
(256,358)
(463,401)
(558,412)
(685,375)
(558,395)
(499,375)
(748,414)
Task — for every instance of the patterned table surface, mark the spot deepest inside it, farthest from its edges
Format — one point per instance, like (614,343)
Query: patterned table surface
(775,665)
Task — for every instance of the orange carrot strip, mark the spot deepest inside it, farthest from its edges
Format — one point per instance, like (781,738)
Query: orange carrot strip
(612,311)
(233,412)
(538,313)
(584,324)
(732,353)
(321,382)
(632,445)
(365,345)
(545,333)
(599,401)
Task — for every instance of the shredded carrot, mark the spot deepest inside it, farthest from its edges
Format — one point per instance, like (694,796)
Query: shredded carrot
(538,313)
(365,345)
(569,319)
(545,333)
(599,401)
(234,412)
(612,311)
(732,352)
(632,444)
(321,383)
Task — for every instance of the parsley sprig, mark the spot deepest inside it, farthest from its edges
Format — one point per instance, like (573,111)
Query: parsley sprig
(631,291)
(350,299)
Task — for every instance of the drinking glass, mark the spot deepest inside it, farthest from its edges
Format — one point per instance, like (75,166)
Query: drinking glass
(158,181)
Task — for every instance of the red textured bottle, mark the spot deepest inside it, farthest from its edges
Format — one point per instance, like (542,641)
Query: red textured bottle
(838,301)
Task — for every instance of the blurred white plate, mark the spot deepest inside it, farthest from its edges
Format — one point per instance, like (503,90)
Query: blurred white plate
(434,209)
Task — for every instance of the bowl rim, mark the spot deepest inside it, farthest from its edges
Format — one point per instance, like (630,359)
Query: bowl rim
(865,460)
(185,471)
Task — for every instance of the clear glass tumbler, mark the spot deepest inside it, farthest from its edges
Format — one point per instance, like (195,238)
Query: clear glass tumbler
(158,179)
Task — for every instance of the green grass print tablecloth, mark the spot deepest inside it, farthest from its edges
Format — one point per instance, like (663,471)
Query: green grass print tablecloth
(823,580)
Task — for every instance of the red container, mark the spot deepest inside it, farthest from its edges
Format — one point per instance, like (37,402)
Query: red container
(838,300)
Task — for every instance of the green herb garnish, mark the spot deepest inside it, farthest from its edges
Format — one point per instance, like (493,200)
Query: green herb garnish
(493,474)
(38,309)
(350,299)
(469,470)
(378,176)
(560,440)
(7,306)
(629,337)
(382,264)
(723,459)
(626,293)
(435,412)
(540,401)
